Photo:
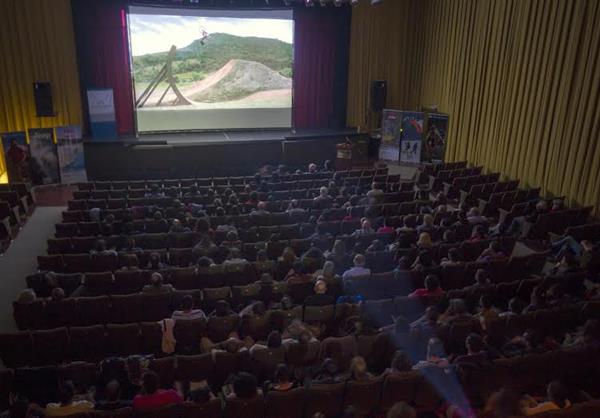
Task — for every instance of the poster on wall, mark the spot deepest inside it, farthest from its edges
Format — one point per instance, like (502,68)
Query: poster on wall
(101,109)
(44,160)
(434,143)
(389,149)
(16,156)
(71,160)
(411,137)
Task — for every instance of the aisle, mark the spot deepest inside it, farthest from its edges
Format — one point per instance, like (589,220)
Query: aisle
(20,259)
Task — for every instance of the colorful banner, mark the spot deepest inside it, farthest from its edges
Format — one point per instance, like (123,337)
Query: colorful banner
(69,144)
(411,137)
(44,160)
(16,156)
(101,109)
(390,135)
(434,143)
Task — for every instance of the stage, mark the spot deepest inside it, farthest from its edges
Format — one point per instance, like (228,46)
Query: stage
(226,136)
(216,153)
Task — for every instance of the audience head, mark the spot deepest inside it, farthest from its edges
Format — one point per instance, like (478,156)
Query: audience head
(541,206)
(112,390)
(404,263)
(431,282)
(432,313)
(474,211)
(288,255)
(428,220)
(435,348)
(401,410)
(154,259)
(359,260)
(478,232)
(26,296)
(320,287)
(204,262)
(282,373)
(312,168)
(453,255)
(66,393)
(457,307)
(449,236)
(157,216)
(515,305)
(149,382)
(222,308)
(199,395)
(323,192)
(187,303)
(366,225)
(274,339)
(244,385)
(400,362)
(481,277)
(156,279)
(485,302)
(57,294)
(100,245)
(557,393)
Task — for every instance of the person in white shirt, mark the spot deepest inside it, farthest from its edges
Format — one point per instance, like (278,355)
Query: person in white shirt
(359,268)
(187,312)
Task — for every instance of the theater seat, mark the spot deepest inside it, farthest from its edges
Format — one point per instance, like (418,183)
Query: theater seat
(364,395)
(219,328)
(211,409)
(16,349)
(165,369)
(288,404)
(50,346)
(327,399)
(247,408)
(126,308)
(156,307)
(188,335)
(87,343)
(123,339)
(151,337)
(196,367)
(92,310)
(398,387)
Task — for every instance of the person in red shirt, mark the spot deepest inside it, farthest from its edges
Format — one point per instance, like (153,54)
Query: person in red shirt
(152,397)
(432,288)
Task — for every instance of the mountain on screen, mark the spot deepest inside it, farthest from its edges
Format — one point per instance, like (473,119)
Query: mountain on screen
(198,60)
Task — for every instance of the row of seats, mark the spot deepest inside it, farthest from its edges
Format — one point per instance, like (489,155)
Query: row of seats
(523,374)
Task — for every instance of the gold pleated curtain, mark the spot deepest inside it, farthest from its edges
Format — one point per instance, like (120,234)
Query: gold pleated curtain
(520,80)
(37,44)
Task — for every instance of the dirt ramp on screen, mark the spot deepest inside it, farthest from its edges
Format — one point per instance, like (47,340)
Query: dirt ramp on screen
(235,80)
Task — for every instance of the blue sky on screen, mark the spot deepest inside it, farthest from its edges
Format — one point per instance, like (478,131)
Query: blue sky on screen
(156,33)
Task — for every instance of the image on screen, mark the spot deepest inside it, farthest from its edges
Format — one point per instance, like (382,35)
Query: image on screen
(211,69)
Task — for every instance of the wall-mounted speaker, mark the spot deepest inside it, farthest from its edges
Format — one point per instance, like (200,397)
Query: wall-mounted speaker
(378,95)
(42,95)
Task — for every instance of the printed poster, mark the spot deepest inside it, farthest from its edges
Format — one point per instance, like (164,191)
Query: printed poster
(44,160)
(411,137)
(16,156)
(69,143)
(434,144)
(390,135)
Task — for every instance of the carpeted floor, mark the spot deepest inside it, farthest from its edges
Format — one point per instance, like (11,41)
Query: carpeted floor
(20,259)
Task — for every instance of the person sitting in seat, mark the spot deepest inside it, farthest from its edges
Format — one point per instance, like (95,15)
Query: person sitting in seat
(358,369)
(424,242)
(400,363)
(482,282)
(244,386)
(112,397)
(187,312)
(68,406)
(432,288)
(376,194)
(436,357)
(282,381)
(557,399)
(312,168)
(479,234)
(456,312)
(155,263)
(177,227)
(57,294)
(100,249)
(474,216)
(515,307)
(453,258)
(358,270)
(365,229)
(320,298)
(201,395)
(152,397)
(427,225)
(261,210)
(154,192)
(487,313)
(428,323)
(156,285)
(329,372)
(423,261)
(294,208)
(234,258)
(376,246)
(131,246)
(476,354)
(131,263)
(222,308)
(323,200)
(492,253)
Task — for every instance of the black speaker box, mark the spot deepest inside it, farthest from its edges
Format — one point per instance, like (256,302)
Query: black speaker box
(378,95)
(42,94)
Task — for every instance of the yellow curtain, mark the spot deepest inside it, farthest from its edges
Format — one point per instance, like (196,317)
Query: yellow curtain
(37,44)
(520,80)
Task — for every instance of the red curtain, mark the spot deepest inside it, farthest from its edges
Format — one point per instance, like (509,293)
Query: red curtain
(103,54)
(321,38)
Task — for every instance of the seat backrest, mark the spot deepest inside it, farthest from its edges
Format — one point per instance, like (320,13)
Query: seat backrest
(288,404)
(325,398)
